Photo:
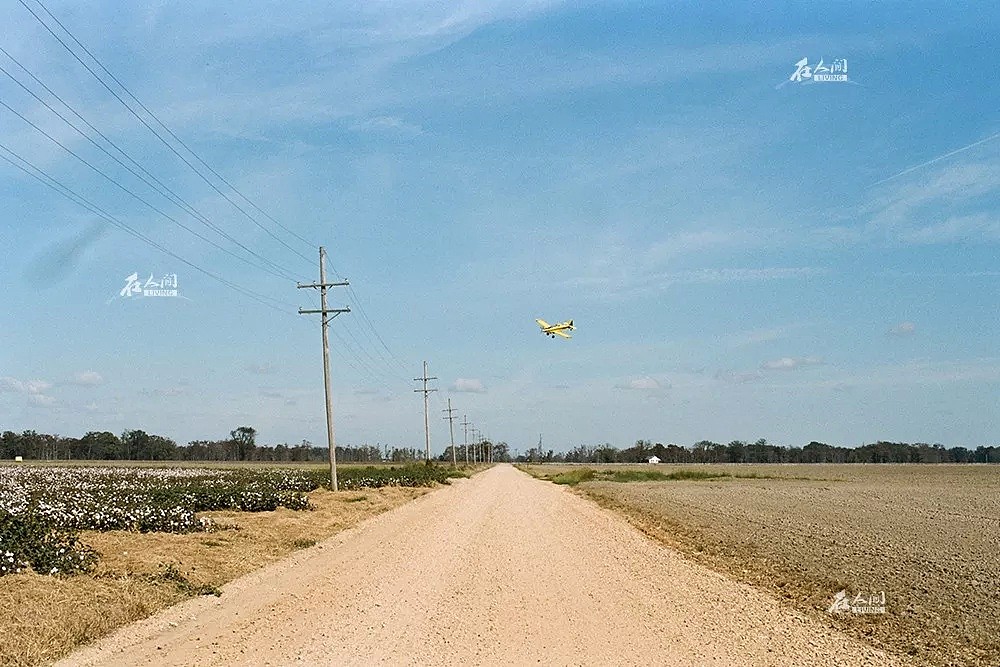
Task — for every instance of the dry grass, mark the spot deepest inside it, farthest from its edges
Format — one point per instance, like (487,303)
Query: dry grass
(43,618)
(929,536)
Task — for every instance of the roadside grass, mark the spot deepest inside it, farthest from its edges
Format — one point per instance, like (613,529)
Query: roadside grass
(581,475)
(43,618)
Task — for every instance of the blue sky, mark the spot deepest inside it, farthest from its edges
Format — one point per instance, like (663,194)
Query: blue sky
(744,256)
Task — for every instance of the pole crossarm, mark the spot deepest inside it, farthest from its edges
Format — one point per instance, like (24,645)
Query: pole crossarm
(427,428)
(322,285)
(340,284)
(451,430)
(465,426)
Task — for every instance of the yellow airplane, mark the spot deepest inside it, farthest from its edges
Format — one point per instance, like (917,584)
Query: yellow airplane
(553,330)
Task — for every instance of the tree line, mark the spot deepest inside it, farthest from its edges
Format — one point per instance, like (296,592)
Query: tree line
(739,451)
(137,445)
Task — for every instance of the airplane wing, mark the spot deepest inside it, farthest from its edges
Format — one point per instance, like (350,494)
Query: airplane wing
(558,332)
(543,324)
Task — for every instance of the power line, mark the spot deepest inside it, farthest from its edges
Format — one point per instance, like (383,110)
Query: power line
(154,117)
(364,316)
(160,187)
(119,185)
(57,186)
(391,358)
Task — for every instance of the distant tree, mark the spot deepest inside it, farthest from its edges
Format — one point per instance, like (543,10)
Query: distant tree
(101,446)
(244,438)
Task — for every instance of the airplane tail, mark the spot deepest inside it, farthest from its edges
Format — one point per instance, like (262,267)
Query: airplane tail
(571,325)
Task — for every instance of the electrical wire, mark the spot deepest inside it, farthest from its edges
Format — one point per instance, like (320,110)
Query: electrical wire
(160,187)
(143,120)
(119,185)
(390,359)
(54,184)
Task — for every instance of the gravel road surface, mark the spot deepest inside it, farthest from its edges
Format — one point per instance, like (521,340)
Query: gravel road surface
(500,569)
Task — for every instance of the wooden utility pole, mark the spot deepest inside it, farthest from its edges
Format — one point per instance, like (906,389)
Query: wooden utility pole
(451,430)
(465,426)
(427,425)
(322,285)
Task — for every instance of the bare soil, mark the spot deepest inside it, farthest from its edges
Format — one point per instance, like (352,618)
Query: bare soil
(926,535)
(498,569)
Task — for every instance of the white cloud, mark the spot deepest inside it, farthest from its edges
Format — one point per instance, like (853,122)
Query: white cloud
(88,378)
(34,390)
(955,229)
(259,369)
(951,205)
(468,385)
(645,383)
(756,336)
(919,372)
(24,387)
(791,363)
(903,329)
(41,400)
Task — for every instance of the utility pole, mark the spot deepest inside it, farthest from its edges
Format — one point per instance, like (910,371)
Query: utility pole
(451,430)
(322,285)
(465,425)
(427,425)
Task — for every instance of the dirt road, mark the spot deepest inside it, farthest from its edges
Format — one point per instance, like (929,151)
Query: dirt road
(498,569)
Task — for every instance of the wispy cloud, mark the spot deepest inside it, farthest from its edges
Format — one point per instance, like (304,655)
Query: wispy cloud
(88,378)
(973,228)
(755,336)
(953,204)
(903,329)
(388,124)
(735,377)
(41,400)
(939,158)
(34,390)
(468,385)
(268,393)
(260,369)
(919,372)
(633,283)
(791,363)
(24,387)
(644,383)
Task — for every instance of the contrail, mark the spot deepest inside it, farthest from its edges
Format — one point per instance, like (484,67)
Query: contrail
(937,159)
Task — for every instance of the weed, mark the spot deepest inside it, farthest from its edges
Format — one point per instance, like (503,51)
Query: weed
(169,573)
